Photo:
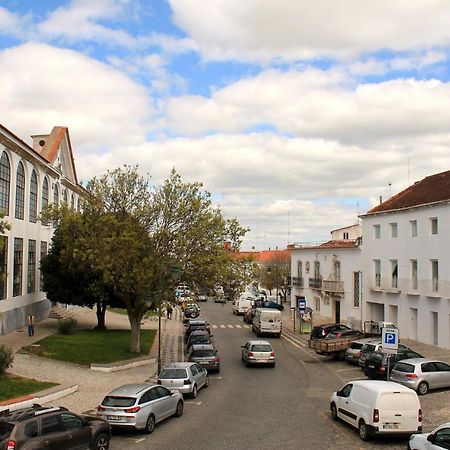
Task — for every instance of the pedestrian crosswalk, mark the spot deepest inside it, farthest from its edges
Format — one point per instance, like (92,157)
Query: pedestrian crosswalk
(229,325)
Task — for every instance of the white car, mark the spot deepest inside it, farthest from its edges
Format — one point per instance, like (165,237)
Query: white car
(438,439)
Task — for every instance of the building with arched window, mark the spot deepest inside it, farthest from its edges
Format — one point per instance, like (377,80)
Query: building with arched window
(31,177)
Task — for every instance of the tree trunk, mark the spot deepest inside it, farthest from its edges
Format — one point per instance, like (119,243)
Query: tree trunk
(135,322)
(101,310)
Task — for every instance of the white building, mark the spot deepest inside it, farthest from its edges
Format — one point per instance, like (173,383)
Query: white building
(406,261)
(30,179)
(328,276)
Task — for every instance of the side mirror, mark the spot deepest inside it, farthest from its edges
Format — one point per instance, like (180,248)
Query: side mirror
(430,438)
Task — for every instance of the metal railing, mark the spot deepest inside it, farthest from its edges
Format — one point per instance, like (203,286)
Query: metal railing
(297,281)
(332,286)
(315,283)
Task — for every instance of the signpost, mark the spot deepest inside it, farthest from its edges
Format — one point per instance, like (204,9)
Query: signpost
(301,308)
(389,345)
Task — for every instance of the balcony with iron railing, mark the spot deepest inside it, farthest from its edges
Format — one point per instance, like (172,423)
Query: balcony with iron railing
(333,286)
(297,281)
(315,283)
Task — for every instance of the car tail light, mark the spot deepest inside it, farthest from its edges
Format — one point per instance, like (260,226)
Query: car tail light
(11,445)
(187,381)
(100,408)
(420,415)
(381,368)
(217,359)
(376,415)
(272,353)
(135,409)
(411,376)
(158,382)
(250,354)
(358,354)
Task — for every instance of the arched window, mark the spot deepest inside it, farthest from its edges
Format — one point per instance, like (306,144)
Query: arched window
(44,200)
(65,197)
(20,192)
(72,202)
(55,201)
(5,176)
(33,197)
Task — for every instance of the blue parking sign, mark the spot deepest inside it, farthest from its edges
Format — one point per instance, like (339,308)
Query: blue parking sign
(301,305)
(389,339)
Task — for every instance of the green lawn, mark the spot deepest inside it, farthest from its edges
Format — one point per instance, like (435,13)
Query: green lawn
(13,387)
(123,311)
(93,346)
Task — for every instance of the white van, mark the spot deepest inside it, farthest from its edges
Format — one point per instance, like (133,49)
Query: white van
(267,321)
(242,304)
(377,407)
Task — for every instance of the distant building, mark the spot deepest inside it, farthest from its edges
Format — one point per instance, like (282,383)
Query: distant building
(31,177)
(328,275)
(405,261)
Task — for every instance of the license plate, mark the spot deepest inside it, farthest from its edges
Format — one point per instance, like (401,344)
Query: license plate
(390,426)
(371,367)
(203,362)
(113,417)
(262,360)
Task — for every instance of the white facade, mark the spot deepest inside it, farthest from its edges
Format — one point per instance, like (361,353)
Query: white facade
(29,178)
(328,276)
(406,271)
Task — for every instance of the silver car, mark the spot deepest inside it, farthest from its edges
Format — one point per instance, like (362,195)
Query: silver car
(258,352)
(372,346)
(422,374)
(185,377)
(353,352)
(140,406)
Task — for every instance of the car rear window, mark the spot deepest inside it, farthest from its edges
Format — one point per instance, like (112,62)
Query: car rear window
(261,348)
(203,353)
(356,345)
(5,430)
(367,348)
(119,402)
(172,374)
(404,367)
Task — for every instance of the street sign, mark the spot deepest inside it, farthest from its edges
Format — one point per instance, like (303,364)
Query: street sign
(301,305)
(389,340)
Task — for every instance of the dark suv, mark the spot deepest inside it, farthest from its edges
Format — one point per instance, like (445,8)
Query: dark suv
(375,365)
(322,331)
(38,427)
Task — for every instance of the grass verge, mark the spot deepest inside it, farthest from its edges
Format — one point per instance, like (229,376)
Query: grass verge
(85,347)
(13,386)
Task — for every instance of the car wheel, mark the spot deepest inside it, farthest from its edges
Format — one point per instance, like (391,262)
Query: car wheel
(422,389)
(206,381)
(179,409)
(150,424)
(333,409)
(101,442)
(363,430)
(194,391)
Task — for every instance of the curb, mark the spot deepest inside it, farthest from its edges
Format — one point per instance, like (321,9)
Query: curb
(122,365)
(46,396)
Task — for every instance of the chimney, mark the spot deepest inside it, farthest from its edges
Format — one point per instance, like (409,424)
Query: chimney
(381,199)
(39,141)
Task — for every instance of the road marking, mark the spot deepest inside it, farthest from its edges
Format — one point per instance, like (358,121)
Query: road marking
(222,326)
(292,342)
(238,326)
(140,440)
(230,326)
(214,326)
(246,326)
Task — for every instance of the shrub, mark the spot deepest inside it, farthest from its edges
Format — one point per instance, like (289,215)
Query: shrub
(6,359)
(66,326)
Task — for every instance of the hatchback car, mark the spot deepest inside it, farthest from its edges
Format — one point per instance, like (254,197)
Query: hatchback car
(438,439)
(373,346)
(202,298)
(220,299)
(353,352)
(206,356)
(185,377)
(191,312)
(422,374)
(249,314)
(321,331)
(140,406)
(258,352)
(198,337)
(376,364)
(37,427)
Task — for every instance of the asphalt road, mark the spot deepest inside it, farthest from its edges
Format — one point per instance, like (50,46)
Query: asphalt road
(259,408)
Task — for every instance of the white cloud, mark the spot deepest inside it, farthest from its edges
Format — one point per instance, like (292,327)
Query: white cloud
(265,30)
(43,86)
(12,24)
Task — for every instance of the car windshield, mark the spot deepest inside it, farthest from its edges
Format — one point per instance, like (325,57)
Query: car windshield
(261,348)
(199,339)
(203,353)
(172,374)
(368,348)
(120,402)
(5,430)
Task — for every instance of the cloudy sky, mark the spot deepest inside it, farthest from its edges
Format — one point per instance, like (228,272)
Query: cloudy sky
(296,115)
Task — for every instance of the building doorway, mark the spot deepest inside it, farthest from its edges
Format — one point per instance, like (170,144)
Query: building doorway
(413,324)
(337,311)
(435,327)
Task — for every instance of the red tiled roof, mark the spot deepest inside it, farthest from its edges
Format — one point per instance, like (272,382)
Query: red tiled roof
(265,255)
(339,244)
(432,189)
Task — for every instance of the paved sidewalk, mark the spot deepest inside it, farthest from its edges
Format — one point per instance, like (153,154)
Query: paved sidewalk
(91,385)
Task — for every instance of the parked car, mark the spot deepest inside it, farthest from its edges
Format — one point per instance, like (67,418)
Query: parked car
(140,406)
(353,352)
(249,314)
(37,427)
(377,407)
(422,374)
(198,324)
(185,377)
(198,337)
(438,439)
(258,352)
(321,331)
(344,333)
(267,321)
(202,298)
(376,363)
(191,312)
(220,299)
(206,356)
(372,346)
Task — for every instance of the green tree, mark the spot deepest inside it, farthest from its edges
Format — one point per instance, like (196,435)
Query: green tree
(276,273)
